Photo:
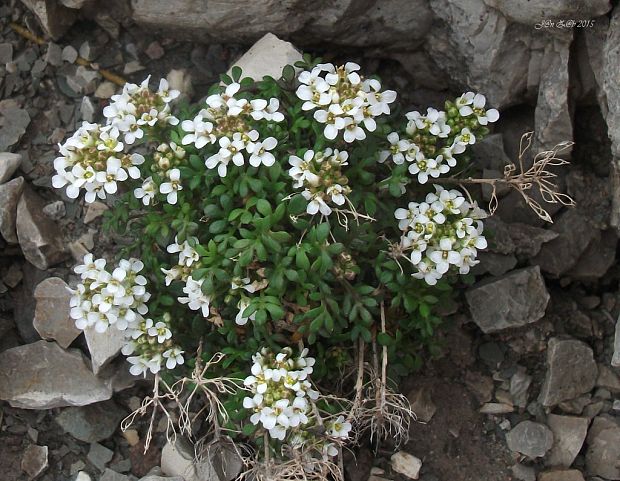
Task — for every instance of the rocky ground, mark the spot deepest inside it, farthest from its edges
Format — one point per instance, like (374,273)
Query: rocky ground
(526,382)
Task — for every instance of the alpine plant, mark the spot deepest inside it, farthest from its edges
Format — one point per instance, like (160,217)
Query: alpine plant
(273,220)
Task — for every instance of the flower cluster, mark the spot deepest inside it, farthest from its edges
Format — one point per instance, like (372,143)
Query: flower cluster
(432,140)
(195,298)
(93,159)
(281,391)
(138,108)
(227,121)
(167,159)
(105,299)
(345,100)
(152,344)
(320,174)
(442,232)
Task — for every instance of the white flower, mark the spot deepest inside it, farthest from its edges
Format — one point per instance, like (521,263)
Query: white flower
(187,254)
(300,170)
(260,152)
(242,306)
(339,428)
(147,192)
(397,147)
(196,300)
(444,256)
(316,203)
(476,107)
(173,357)
(114,173)
(331,117)
(165,93)
(352,131)
(173,186)
(200,132)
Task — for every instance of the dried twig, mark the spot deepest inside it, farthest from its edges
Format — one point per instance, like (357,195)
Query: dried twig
(106,74)
(538,177)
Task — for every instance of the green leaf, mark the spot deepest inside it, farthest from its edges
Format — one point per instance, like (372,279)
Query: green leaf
(288,73)
(301,260)
(384,339)
(322,231)
(218,226)
(297,204)
(264,207)
(236,73)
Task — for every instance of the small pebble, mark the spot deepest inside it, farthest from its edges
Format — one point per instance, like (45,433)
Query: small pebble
(69,54)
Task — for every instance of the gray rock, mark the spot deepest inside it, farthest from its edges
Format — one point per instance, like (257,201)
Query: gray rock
(110,475)
(51,315)
(611,81)
(154,50)
(569,433)
(564,475)
(393,23)
(55,210)
(519,385)
(6,53)
(608,379)
(94,211)
(523,473)
(519,298)
(577,405)
(531,12)
(178,460)
(422,404)
(495,264)
(9,163)
(105,90)
(490,152)
(10,193)
(220,460)
(53,16)
(99,455)
(604,448)
(496,408)
(39,237)
(552,116)
(69,54)
(575,233)
(571,371)
(53,56)
(103,347)
(597,259)
(406,464)
(87,109)
(86,51)
(16,120)
(34,461)
(530,439)
(92,423)
(75,4)
(615,360)
(497,53)
(42,375)
(268,56)
(156,474)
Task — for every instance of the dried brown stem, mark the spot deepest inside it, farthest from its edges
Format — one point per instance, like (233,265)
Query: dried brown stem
(538,177)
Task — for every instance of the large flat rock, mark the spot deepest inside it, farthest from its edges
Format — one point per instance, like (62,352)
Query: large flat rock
(513,300)
(571,371)
(42,375)
(39,237)
(51,315)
